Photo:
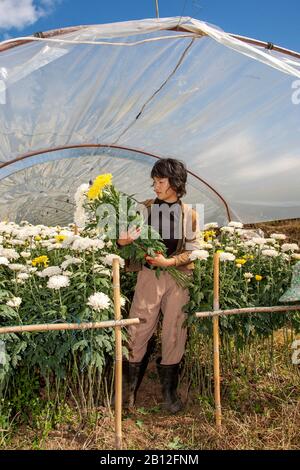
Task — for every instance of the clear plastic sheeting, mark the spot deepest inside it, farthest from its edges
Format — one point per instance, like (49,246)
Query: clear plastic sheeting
(228,109)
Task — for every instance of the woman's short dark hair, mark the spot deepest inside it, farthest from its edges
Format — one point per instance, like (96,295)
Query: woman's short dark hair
(173,169)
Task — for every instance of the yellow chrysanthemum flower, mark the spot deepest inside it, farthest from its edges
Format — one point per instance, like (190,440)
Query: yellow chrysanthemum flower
(209,235)
(240,261)
(100,182)
(258,277)
(60,238)
(37,238)
(40,260)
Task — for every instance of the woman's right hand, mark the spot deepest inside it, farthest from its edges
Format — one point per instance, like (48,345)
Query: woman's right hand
(128,237)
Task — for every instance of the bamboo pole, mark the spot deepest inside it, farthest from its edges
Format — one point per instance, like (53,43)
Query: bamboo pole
(235,311)
(216,306)
(68,326)
(118,356)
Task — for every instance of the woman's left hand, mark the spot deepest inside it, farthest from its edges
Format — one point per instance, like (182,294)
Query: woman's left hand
(160,261)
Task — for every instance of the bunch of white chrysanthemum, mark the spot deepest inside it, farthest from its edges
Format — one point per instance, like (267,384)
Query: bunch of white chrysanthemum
(15,302)
(80,215)
(57,282)
(99,301)
(199,254)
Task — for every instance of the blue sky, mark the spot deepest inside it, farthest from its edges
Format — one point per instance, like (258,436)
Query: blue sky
(275,21)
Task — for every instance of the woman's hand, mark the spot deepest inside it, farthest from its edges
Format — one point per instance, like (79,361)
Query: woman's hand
(128,237)
(160,261)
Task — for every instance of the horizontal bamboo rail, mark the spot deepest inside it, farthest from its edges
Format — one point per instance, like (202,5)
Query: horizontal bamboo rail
(68,326)
(235,311)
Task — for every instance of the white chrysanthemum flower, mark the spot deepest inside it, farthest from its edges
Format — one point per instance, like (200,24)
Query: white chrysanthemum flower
(9,253)
(32,269)
(99,301)
(57,282)
(235,224)
(249,244)
(258,241)
(69,261)
(100,269)
(108,259)
(270,253)
(25,254)
(23,276)
(226,229)
(290,247)
(286,257)
(109,244)
(54,246)
(226,256)
(278,236)
(199,254)
(85,243)
(122,301)
(4,261)
(51,271)
(211,225)
(15,302)
(68,241)
(17,267)
(67,273)
(248,275)
(16,242)
(229,248)
(205,246)
(270,241)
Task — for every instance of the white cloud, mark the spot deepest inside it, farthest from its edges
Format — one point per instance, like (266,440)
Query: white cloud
(21,13)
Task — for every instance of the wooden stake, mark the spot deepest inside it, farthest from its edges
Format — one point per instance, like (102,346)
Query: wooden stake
(118,355)
(236,311)
(68,326)
(217,389)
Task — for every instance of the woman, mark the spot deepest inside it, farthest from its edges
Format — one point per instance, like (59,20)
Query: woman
(178,226)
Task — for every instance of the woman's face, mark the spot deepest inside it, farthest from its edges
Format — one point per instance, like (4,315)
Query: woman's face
(163,189)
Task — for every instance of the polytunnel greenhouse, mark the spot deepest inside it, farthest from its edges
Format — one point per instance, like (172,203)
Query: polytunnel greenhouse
(114,98)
